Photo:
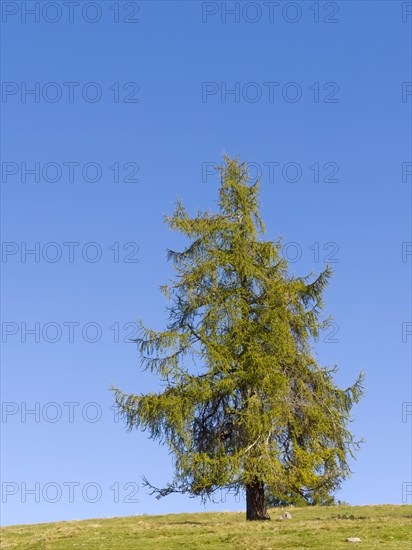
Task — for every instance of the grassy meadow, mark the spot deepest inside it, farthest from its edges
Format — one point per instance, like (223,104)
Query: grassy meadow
(385,527)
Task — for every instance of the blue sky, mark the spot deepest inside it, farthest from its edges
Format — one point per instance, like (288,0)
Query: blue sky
(124,117)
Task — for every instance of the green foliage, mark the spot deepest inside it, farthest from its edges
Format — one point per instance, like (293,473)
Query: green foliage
(245,399)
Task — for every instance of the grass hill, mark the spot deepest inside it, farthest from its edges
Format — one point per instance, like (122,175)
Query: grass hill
(386,527)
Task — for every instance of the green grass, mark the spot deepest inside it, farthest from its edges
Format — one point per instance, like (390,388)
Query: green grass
(380,527)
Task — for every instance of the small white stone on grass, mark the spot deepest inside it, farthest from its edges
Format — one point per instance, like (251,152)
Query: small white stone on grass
(353,539)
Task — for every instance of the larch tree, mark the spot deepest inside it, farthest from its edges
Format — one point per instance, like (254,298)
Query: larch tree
(245,404)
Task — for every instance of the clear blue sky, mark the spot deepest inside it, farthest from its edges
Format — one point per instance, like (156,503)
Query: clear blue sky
(320,108)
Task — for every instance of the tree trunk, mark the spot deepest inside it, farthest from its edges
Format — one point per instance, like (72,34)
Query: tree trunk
(256,508)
